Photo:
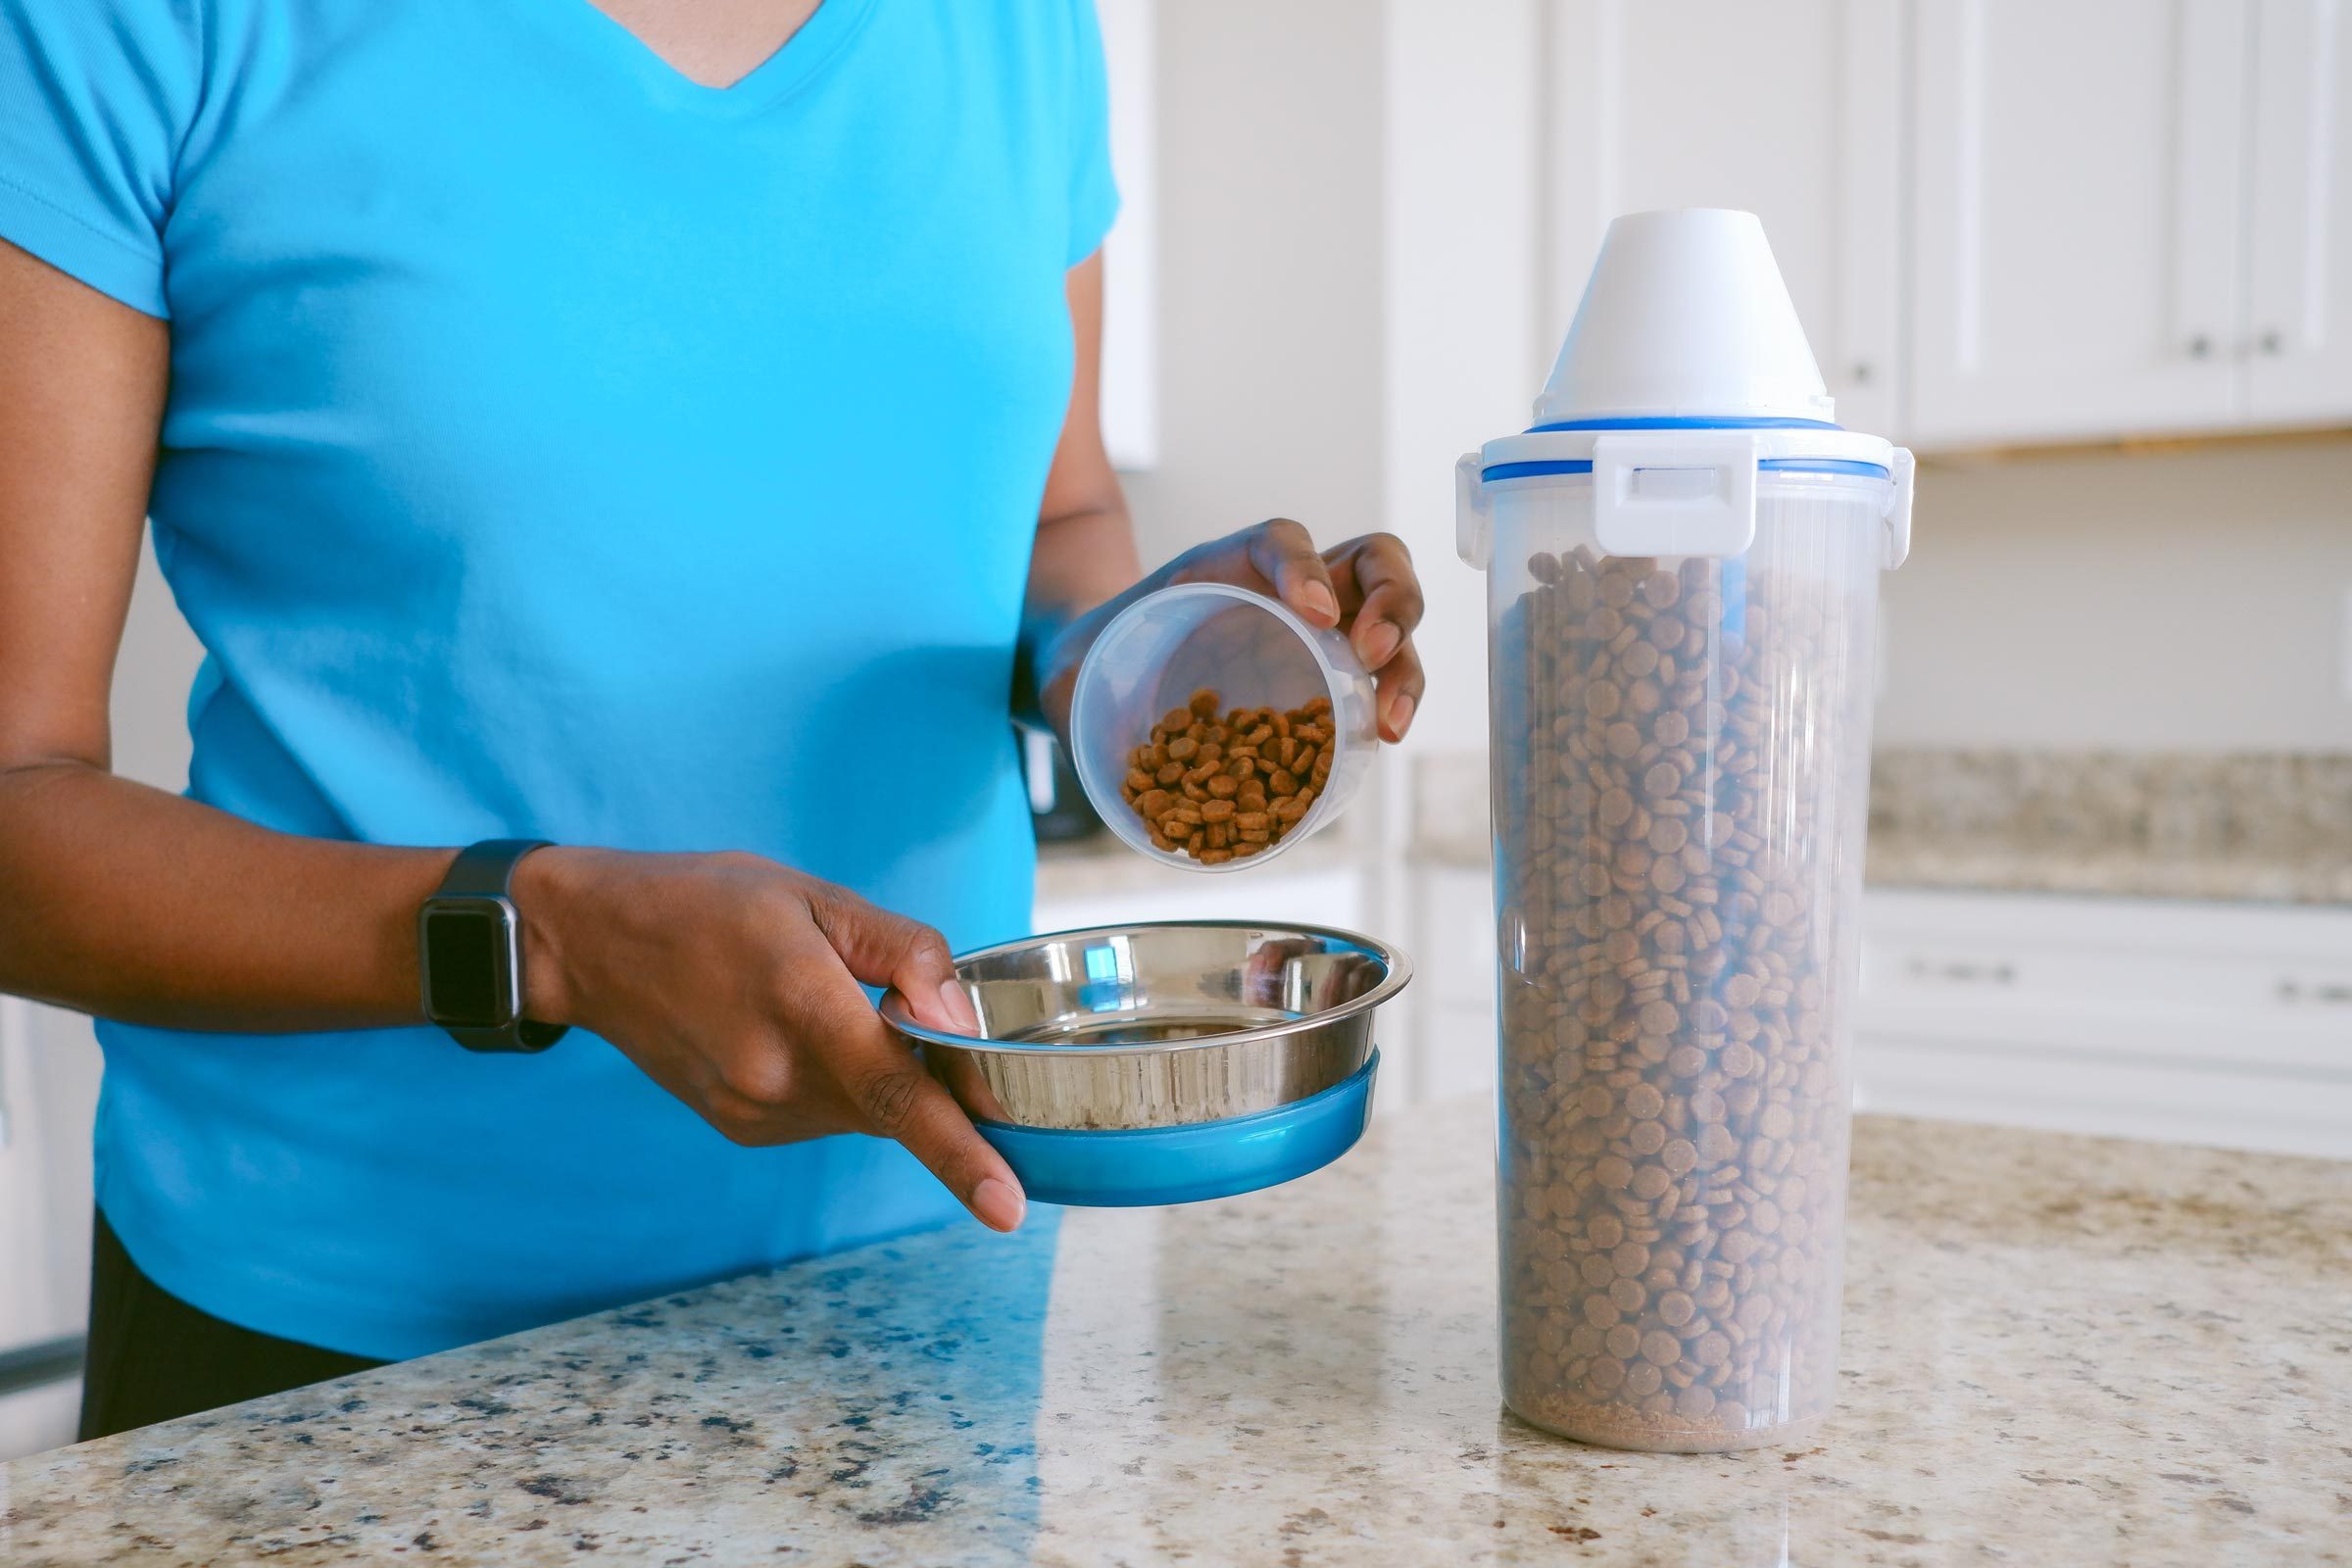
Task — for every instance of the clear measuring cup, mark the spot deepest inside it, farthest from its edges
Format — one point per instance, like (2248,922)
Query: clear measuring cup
(1253,652)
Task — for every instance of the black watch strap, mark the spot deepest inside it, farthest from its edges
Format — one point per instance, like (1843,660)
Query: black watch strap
(489,867)
(485,872)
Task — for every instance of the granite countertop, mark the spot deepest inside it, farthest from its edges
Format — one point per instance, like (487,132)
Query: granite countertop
(2267,826)
(2058,1351)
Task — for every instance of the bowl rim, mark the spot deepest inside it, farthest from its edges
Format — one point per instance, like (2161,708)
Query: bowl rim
(1397,974)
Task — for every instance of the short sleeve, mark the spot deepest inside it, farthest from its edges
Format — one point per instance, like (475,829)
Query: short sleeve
(95,99)
(1094,192)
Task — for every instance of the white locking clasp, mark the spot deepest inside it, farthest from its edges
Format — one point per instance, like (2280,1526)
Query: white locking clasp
(1473,524)
(1898,509)
(1675,492)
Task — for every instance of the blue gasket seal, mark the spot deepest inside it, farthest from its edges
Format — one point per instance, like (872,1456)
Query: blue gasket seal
(1838,465)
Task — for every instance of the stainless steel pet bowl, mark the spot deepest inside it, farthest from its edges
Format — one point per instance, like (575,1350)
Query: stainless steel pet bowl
(1159,1024)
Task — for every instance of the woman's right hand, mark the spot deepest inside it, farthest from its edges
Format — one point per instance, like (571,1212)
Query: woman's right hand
(733,982)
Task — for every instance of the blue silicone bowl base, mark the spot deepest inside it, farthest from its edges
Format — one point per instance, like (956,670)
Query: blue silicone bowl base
(1132,1168)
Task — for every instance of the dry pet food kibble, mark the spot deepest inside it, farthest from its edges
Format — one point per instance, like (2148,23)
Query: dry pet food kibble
(1671,745)
(1226,788)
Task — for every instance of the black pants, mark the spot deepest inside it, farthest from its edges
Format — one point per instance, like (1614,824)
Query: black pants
(153,1357)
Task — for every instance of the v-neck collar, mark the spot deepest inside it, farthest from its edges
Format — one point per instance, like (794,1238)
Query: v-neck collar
(820,41)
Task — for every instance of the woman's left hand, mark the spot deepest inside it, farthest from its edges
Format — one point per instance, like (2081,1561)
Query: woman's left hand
(1365,586)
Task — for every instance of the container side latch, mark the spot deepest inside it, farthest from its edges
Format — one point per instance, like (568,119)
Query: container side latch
(1473,525)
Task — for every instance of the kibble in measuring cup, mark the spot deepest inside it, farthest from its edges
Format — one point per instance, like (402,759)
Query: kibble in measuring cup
(1222,783)
(1253,652)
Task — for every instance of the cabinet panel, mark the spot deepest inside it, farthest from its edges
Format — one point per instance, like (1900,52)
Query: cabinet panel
(49,1068)
(2298,337)
(37,1420)
(2076,179)
(2210,1023)
(1453,916)
(1130,398)
(1789,110)
(2060,1091)
(1453,1007)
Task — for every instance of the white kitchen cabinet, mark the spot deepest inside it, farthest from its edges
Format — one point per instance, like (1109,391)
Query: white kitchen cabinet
(48,1094)
(1130,385)
(2076,190)
(36,1420)
(2003,222)
(2298,336)
(2128,216)
(2187,1021)
(1452,1000)
(1792,111)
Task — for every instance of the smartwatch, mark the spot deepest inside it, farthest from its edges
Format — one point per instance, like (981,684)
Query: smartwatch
(469,953)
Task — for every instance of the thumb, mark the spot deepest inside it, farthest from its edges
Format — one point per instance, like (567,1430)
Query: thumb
(882,948)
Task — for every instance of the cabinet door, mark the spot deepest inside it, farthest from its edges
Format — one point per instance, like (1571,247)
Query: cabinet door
(1130,293)
(2076,179)
(1454,951)
(1787,111)
(48,1095)
(2300,317)
(2217,1023)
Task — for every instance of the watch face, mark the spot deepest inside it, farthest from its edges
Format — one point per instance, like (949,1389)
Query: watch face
(465,967)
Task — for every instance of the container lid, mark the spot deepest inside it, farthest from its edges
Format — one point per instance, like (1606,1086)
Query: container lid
(1686,379)
(1684,315)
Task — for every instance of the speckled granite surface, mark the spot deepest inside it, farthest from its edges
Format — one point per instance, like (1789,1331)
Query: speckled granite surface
(2267,827)
(2261,826)
(2058,1351)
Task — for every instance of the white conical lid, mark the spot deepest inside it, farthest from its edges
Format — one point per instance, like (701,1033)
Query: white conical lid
(1685,316)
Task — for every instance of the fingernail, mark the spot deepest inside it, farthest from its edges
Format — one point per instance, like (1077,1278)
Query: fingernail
(1316,600)
(1380,643)
(959,1006)
(1400,712)
(1000,1206)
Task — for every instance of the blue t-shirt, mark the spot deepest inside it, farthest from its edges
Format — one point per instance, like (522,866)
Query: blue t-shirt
(558,448)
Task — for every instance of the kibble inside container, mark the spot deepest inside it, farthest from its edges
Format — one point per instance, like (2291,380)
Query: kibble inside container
(1679,790)
(1234,653)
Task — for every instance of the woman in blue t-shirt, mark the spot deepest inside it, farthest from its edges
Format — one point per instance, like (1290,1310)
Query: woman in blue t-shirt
(663,432)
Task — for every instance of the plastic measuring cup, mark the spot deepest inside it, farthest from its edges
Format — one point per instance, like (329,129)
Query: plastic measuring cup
(1251,651)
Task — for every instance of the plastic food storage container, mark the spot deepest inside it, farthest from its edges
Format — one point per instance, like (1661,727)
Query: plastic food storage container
(1683,561)
(1251,651)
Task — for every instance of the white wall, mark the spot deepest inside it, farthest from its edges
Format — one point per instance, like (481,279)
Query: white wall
(1349,282)
(1269,271)
(1467,305)
(151,671)
(2136,600)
